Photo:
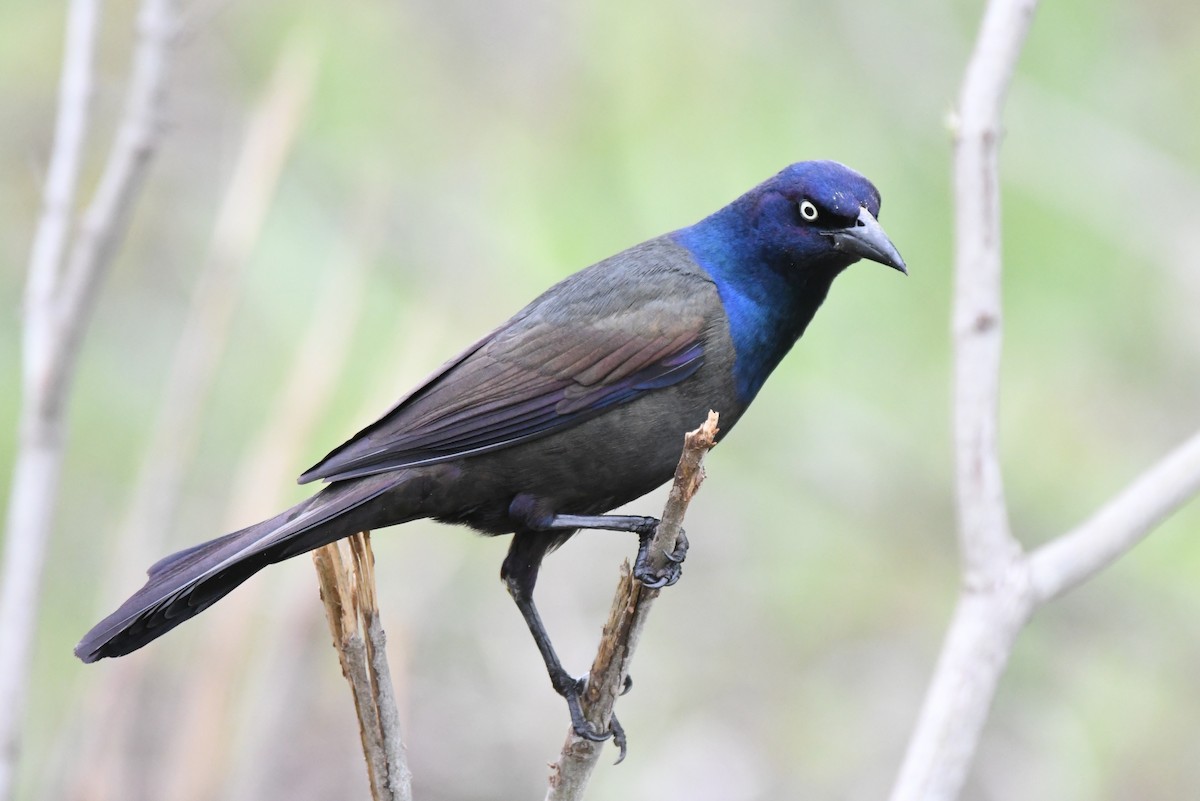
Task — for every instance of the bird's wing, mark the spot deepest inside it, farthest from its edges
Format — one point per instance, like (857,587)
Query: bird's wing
(581,348)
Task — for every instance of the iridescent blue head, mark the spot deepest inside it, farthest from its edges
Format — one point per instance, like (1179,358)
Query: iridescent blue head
(819,213)
(774,252)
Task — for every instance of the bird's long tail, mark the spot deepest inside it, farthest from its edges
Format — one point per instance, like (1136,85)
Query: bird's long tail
(186,583)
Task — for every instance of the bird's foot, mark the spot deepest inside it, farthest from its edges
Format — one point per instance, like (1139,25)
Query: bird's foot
(681,548)
(669,573)
(570,689)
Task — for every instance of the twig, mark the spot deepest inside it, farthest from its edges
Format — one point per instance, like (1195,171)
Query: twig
(1120,524)
(58,203)
(626,619)
(107,216)
(58,304)
(1002,585)
(348,593)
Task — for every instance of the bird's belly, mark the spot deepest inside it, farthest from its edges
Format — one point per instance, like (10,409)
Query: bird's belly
(590,468)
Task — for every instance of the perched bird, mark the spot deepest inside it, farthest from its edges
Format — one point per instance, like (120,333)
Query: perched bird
(575,406)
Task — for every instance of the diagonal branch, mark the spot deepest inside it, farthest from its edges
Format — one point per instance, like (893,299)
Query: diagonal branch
(107,216)
(627,618)
(1117,526)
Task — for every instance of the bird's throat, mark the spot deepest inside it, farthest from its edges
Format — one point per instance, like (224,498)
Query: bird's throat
(768,306)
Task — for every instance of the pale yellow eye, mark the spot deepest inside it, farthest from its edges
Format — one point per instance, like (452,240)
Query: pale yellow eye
(808,211)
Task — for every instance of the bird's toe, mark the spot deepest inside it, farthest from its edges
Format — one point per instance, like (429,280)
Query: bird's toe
(681,548)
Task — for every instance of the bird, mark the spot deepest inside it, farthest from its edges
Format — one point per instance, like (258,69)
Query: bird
(576,405)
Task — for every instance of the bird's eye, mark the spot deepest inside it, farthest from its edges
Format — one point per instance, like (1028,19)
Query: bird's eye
(807,210)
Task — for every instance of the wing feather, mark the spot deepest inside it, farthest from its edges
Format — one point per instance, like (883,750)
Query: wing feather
(581,348)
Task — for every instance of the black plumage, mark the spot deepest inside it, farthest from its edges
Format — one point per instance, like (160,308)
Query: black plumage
(575,406)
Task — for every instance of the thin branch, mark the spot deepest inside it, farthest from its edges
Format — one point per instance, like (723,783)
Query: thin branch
(984,536)
(58,304)
(973,658)
(62,179)
(626,619)
(1002,585)
(350,606)
(105,221)
(1117,526)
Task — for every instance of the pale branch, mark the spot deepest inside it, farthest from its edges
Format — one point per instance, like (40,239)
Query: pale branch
(1002,585)
(974,656)
(58,302)
(346,571)
(626,619)
(106,218)
(62,180)
(985,540)
(1117,526)
(392,758)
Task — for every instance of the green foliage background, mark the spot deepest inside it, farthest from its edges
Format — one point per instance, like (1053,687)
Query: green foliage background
(517,141)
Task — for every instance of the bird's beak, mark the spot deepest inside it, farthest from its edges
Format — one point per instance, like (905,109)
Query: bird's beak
(866,240)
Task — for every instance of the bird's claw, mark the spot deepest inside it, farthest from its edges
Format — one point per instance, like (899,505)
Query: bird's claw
(618,735)
(626,684)
(571,689)
(656,580)
(588,732)
(669,573)
(681,548)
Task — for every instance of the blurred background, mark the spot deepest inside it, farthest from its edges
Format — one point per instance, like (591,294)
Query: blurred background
(347,193)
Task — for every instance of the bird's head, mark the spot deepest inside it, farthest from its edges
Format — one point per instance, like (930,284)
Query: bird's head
(814,215)
(774,252)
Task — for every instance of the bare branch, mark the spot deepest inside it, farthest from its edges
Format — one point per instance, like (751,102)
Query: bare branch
(984,536)
(58,303)
(352,611)
(973,658)
(62,179)
(1117,526)
(626,619)
(1001,584)
(125,170)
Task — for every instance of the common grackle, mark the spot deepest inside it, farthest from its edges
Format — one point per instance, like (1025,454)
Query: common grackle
(575,406)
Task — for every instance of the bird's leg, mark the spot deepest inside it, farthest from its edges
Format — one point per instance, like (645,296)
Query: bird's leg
(644,527)
(520,574)
(563,682)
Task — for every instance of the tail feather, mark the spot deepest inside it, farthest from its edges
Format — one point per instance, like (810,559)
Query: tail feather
(184,584)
